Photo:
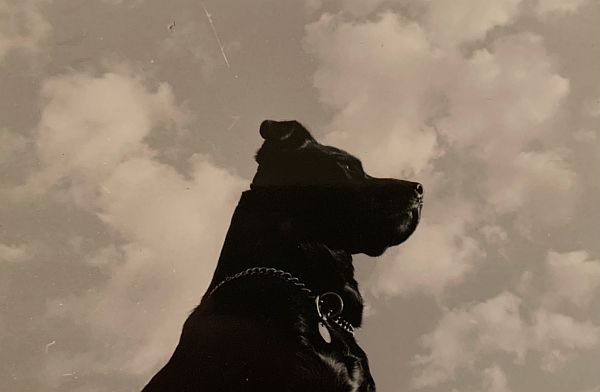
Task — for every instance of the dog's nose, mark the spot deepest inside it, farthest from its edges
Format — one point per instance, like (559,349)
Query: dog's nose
(419,190)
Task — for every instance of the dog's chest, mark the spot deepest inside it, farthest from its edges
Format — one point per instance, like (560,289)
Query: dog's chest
(352,376)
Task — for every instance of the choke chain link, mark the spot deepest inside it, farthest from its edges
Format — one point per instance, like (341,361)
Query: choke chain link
(289,278)
(269,271)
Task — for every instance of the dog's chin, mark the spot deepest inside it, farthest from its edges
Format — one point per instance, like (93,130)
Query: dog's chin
(404,225)
(399,228)
(375,251)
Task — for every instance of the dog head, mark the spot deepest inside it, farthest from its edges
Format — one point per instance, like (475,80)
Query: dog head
(327,195)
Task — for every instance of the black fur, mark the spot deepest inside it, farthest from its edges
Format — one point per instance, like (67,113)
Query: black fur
(310,207)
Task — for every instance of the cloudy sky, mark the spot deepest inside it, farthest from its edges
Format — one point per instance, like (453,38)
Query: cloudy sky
(127,132)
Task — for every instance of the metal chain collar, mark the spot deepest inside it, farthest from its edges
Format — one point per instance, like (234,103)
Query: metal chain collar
(268,271)
(288,278)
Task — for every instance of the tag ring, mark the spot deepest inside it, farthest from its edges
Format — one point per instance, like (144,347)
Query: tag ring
(336,311)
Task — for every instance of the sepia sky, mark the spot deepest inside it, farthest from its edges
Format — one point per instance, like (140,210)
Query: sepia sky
(128,129)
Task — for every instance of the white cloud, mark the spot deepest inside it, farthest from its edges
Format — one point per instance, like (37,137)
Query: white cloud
(370,73)
(502,96)
(473,116)
(11,144)
(124,2)
(573,277)
(23,26)
(110,255)
(462,334)
(14,253)
(435,257)
(494,380)
(361,8)
(585,135)
(90,124)
(501,103)
(545,7)
(494,234)
(592,107)
(174,228)
(545,174)
(593,389)
(465,335)
(558,337)
(456,22)
(394,106)
(382,79)
(91,142)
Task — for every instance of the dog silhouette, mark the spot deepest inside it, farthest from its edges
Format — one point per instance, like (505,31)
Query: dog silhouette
(280,312)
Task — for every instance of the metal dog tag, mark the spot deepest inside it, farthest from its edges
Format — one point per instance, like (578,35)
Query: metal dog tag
(324,331)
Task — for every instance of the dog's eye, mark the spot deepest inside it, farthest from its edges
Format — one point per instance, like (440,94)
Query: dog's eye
(350,167)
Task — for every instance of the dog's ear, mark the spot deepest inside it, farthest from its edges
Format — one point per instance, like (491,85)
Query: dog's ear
(291,133)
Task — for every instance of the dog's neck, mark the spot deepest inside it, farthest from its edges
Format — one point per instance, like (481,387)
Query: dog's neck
(261,234)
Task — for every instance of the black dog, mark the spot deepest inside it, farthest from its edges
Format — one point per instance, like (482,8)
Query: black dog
(283,303)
